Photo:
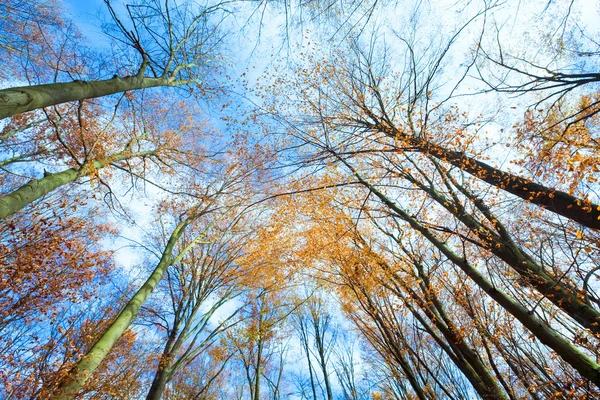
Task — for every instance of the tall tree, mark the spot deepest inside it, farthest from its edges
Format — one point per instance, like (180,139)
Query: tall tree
(195,289)
(315,326)
(339,120)
(359,103)
(198,221)
(259,344)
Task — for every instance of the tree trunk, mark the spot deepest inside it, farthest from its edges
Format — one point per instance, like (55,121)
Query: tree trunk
(305,346)
(256,395)
(37,188)
(165,364)
(466,359)
(579,361)
(582,211)
(88,364)
(322,361)
(395,348)
(27,98)
(548,336)
(159,383)
(505,248)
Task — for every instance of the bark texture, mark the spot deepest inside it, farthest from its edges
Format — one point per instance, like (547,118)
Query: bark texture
(18,100)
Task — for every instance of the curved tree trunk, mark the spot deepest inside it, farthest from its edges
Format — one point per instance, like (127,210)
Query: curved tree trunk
(158,384)
(505,249)
(319,340)
(457,348)
(396,351)
(163,372)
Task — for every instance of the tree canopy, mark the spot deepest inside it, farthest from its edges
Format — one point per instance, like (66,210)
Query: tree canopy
(353,200)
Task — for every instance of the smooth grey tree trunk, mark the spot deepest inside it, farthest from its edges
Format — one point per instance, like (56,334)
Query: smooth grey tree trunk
(165,364)
(81,372)
(37,188)
(506,249)
(21,99)
(158,384)
(457,349)
(582,211)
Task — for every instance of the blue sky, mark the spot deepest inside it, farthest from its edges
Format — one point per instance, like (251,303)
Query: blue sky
(88,15)
(81,7)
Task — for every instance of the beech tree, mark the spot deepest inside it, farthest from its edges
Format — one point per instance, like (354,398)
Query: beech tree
(364,288)
(142,142)
(389,135)
(342,109)
(172,44)
(358,97)
(122,372)
(37,353)
(317,334)
(379,293)
(547,335)
(252,344)
(81,139)
(196,219)
(377,218)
